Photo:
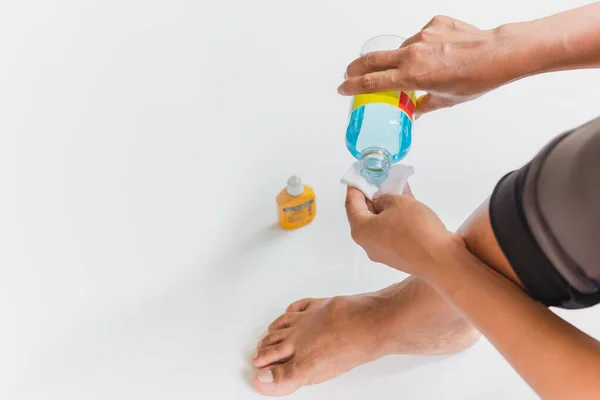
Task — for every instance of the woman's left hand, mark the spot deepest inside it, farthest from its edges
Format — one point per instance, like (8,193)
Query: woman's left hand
(401,232)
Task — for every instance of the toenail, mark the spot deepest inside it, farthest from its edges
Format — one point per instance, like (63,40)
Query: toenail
(265,376)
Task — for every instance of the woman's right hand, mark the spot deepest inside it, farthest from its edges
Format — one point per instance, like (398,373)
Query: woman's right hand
(449,59)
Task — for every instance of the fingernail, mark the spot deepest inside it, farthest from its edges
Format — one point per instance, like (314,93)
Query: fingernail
(255,354)
(340,90)
(377,195)
(265,376)
(345,76)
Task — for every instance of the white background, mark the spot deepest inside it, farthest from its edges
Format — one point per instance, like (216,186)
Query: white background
(142,145)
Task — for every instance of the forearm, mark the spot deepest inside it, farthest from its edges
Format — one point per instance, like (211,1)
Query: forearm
(569,40)
(555,358)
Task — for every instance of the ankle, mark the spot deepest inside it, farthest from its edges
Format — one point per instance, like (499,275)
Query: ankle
(442,329)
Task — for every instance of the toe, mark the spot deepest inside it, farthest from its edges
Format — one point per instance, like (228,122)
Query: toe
(278,380)
(284,321)
(300,305)
(271,354)
(274,338)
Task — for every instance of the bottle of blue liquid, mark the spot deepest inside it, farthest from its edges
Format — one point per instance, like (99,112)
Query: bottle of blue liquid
(379,132)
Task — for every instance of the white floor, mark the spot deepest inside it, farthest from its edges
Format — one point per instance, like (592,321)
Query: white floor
(146,141)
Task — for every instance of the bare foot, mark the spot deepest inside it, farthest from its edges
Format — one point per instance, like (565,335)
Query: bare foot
(318,339)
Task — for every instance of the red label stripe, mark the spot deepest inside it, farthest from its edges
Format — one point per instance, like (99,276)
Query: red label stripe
(406,104)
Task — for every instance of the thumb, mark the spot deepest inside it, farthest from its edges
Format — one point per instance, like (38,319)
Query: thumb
(432,102)
(357,207)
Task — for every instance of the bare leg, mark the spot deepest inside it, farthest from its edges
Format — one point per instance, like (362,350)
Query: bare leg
(318,339)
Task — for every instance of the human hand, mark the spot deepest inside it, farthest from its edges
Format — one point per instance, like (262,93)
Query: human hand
(401,232)
(451,60)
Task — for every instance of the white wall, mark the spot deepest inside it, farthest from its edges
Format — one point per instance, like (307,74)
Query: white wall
(141,146)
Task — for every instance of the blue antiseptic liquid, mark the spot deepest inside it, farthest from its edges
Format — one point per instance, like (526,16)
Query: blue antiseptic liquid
(380,126)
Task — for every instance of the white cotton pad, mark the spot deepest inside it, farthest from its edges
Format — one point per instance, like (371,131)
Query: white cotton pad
(394,184)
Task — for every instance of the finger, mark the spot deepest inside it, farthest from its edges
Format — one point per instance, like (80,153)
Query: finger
(370,206)
(383,202)
(373,62)
(392,79)
(430,102)
(357,208)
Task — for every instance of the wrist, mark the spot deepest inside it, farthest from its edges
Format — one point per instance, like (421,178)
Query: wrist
(447,259)
(528,48)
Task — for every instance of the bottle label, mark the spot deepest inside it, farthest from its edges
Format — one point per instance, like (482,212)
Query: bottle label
(299,212)
(405,101)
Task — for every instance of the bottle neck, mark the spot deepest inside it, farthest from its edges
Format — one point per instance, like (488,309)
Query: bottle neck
(294,186)
(375,164)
